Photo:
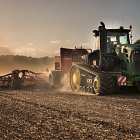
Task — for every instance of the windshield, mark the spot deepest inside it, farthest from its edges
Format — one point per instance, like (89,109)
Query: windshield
(118,38)
(114,39)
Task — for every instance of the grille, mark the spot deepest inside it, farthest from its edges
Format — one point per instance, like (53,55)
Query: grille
(135,61)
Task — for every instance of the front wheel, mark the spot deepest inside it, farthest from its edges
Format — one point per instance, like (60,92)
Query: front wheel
(104,84)
(97,85)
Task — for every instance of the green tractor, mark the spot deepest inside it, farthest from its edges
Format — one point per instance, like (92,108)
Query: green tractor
(113,64)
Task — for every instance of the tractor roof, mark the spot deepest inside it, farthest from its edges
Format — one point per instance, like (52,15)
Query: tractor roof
(120,30)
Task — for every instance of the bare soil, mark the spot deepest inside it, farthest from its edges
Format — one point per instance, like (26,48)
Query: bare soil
(44,114)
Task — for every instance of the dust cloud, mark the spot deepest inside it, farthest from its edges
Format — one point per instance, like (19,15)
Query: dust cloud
(65,82)
(9,63)
(5,51)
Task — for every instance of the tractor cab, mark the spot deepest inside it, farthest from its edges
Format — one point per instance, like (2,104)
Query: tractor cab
(117,37)
(109,41)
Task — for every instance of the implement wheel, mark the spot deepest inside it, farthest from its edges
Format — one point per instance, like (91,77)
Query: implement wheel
(55,79)
(16,83)
(75,78)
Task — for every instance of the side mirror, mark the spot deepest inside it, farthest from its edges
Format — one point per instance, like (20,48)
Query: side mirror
(95,33)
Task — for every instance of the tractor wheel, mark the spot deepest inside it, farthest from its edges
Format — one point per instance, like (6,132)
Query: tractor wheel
(138,86)
(55,79)
(51,80)
(103,84)
(116,86)
(75,79)
(16,83)
(97,85)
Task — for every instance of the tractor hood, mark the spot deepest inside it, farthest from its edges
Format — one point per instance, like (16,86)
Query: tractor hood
(127,49)
(134,46)
(130,57)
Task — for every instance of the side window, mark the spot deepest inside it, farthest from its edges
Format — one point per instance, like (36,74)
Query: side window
(111,41)
(123,39)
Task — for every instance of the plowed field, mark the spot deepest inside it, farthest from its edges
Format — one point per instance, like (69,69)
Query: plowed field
(44,114)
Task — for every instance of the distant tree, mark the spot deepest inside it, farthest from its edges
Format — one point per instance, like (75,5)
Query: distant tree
(137,42)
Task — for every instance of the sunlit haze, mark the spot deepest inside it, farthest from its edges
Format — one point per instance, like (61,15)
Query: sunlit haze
(39,28)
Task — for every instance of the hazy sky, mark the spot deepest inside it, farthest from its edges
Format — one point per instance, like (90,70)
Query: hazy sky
(40,27)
